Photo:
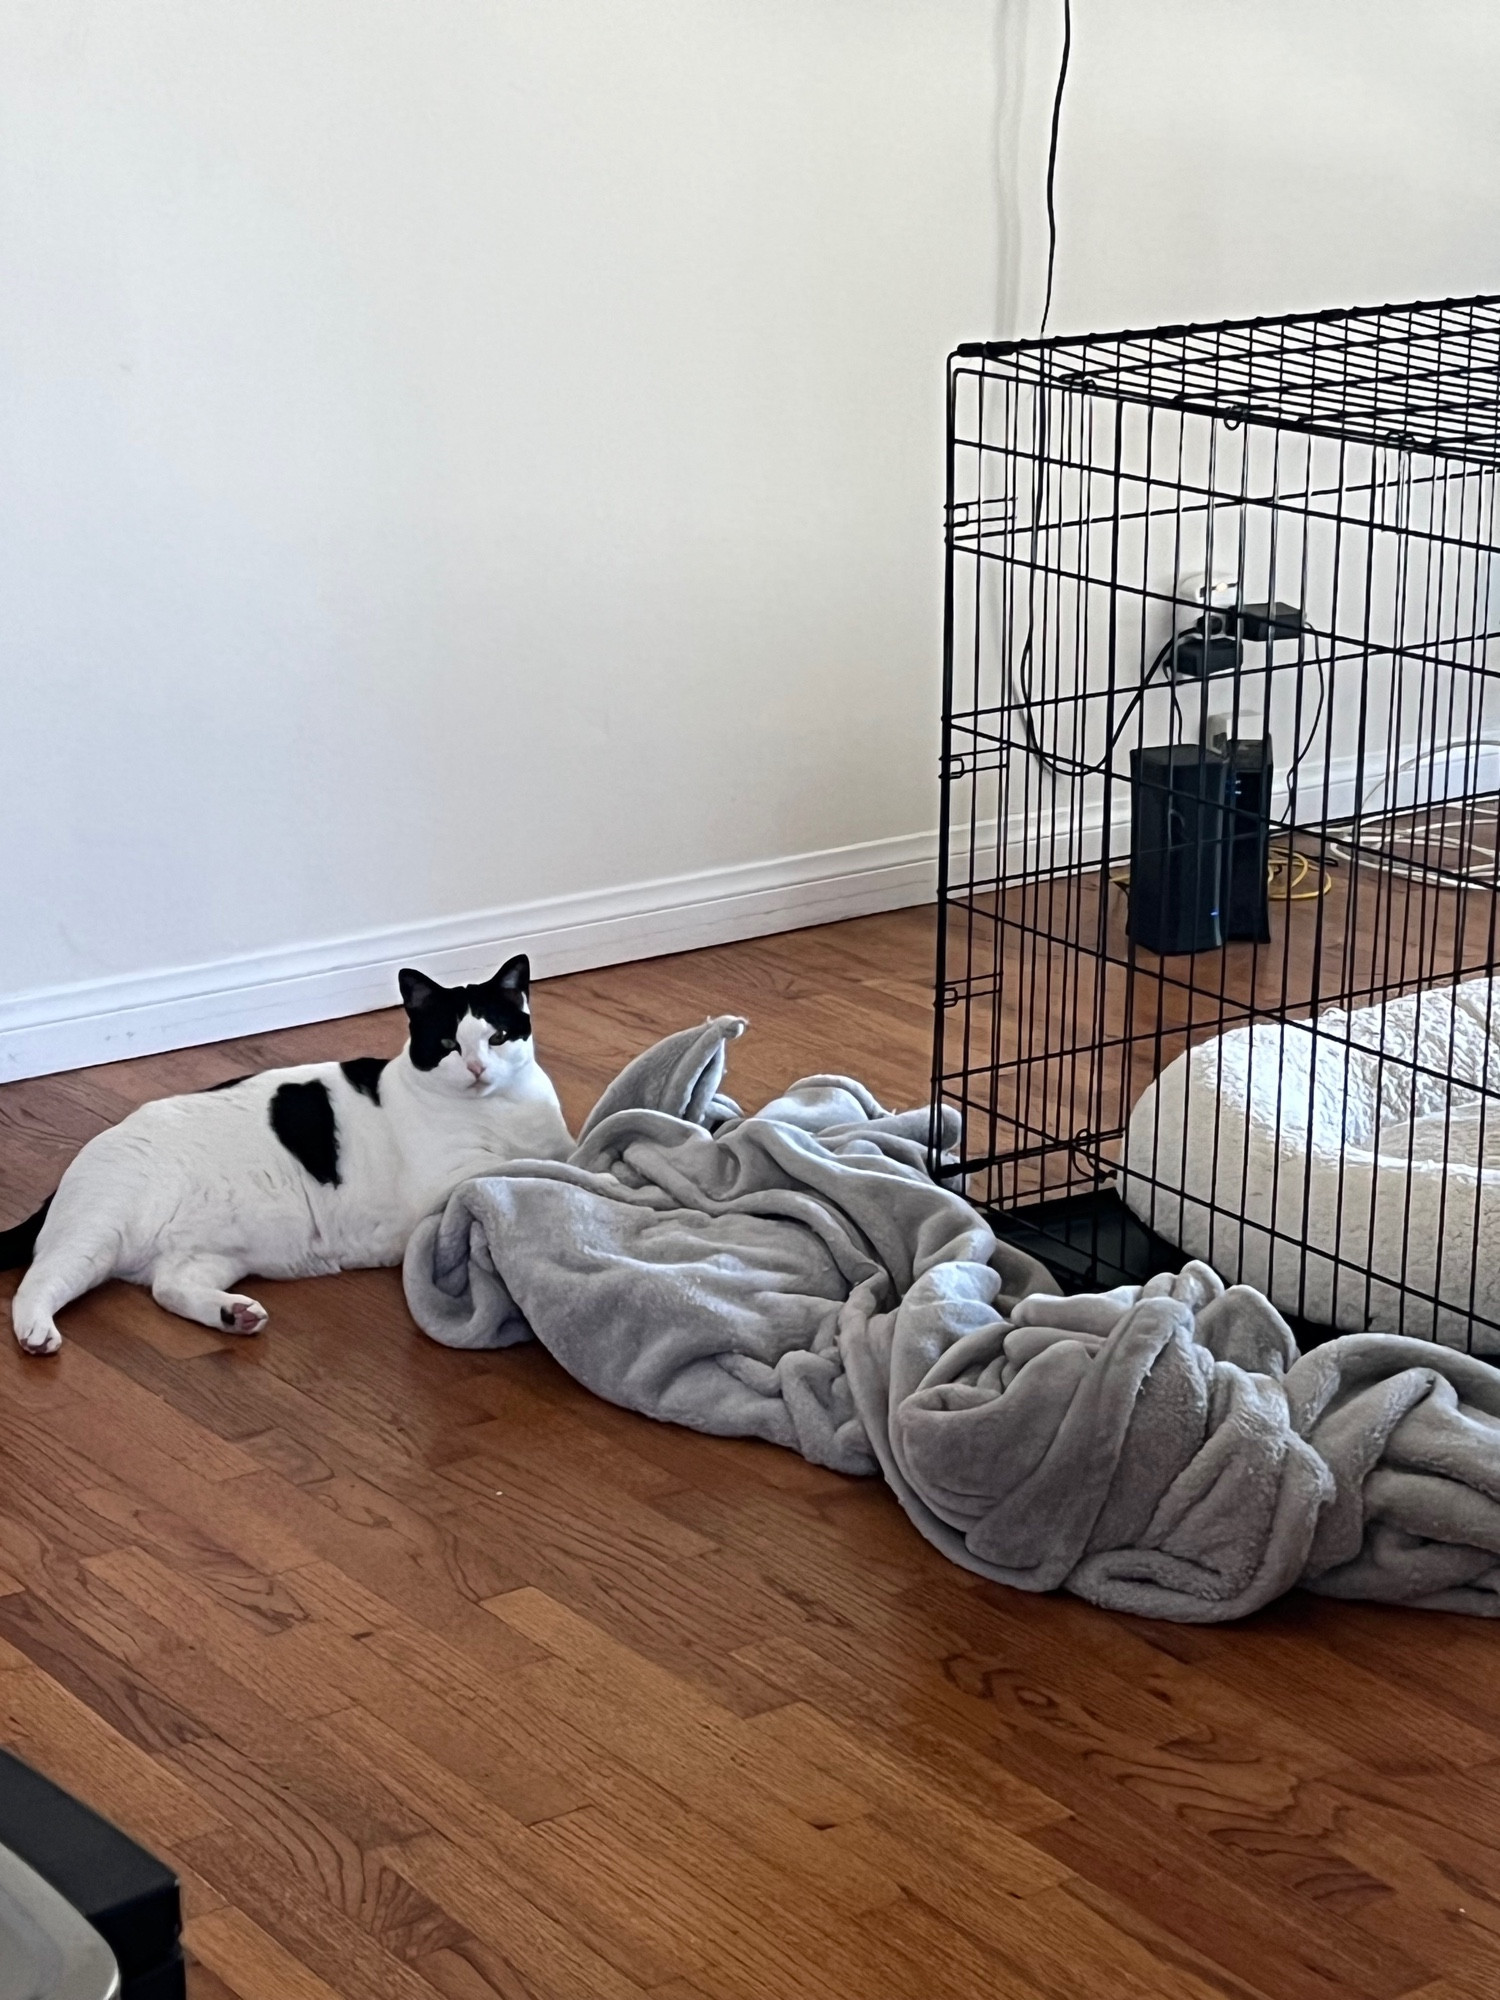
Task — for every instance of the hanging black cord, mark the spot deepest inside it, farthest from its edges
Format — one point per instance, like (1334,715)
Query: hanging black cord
(1057,104)
(1057,767)
(1073,768)
(1299,752)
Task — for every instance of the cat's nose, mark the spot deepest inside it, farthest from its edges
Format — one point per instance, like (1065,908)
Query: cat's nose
(476,1067)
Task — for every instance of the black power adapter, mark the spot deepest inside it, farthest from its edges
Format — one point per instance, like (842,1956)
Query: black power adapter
(1195,654)
(1263,623)
(1214,643)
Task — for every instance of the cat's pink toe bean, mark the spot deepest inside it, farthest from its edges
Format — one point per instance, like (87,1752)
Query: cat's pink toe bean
(243,1316)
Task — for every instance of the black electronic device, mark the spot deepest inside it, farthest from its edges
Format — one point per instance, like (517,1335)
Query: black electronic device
(1265,624)
(1214,642)
(1178,797)
(1208,646)
(128,1896)
(1244,908)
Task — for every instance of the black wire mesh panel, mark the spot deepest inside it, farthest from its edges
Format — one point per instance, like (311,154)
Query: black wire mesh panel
(1220,800)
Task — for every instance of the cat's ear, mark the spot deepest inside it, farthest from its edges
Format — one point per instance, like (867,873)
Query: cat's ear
(514,977)
(417,990)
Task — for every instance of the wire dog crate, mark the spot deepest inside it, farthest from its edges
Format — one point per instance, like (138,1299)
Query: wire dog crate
(1221,808)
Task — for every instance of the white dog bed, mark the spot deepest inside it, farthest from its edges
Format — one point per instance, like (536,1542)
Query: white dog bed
(1344,1184)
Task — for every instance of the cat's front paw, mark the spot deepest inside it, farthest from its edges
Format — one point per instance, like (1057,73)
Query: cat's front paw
(242,1315)
(41,1337)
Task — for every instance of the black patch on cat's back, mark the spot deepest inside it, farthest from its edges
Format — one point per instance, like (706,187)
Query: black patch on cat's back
(363,1074)
(302,1119)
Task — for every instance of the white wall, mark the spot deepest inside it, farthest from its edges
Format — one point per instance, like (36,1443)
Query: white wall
(470,470)
(461,454)
(1222,158)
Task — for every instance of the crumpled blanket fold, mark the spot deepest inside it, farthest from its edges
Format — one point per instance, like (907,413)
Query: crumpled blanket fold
(796,1276)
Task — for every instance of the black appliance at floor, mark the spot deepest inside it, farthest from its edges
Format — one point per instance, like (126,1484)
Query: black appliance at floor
(1200,830)
(128,1896)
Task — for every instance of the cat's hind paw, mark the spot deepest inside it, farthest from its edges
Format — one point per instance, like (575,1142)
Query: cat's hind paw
(242,1315)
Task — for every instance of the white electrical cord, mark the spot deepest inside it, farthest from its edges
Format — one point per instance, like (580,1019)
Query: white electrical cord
(1343,848)
(1350,841)
(1412,763)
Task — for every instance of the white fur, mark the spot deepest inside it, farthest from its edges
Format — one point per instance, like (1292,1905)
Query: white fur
(189,1194)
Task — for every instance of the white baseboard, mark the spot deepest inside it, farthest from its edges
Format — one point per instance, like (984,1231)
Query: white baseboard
(107,1020)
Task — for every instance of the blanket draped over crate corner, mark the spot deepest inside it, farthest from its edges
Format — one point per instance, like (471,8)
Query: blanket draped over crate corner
(796,1276)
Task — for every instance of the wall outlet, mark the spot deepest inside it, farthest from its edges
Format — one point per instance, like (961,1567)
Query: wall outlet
(1220,592)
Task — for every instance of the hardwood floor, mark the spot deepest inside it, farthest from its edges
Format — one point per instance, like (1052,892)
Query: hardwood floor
(434,1676)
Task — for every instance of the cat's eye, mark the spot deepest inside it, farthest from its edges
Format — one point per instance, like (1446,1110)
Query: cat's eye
(447,1043)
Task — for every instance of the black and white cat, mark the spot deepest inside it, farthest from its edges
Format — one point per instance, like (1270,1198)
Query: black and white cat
(295,1172)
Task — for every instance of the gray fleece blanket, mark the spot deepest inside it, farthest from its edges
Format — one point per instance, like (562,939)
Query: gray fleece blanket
(796,1276)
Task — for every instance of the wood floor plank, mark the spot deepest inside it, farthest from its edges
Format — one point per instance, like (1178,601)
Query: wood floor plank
(739,1918)
(660,1459)
(364,1952)
(1371,1720)
(637,1688)
(1441,1887)
(205,1985)
(1203,1897)
(152,1485)
(501,1878)
(58,1579)
(682,1610)
(551,1958)
(725,1792)
(131,1405)
(251,1964)
(1063,1949)
(441,1680)
(230,1635)
(908,1785)
(129,1695)
(1112,1665)
(353,1530)
(474,1971)
(522,1778)
(63,1738)
(941,1952)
